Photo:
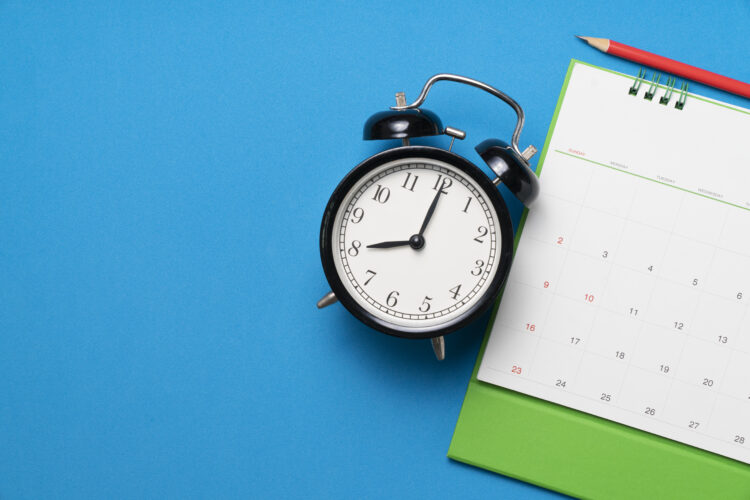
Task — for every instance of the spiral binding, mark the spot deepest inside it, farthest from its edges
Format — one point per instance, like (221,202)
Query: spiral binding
(653,87)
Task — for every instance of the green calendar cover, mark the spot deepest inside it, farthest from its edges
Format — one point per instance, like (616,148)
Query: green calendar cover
(576,453)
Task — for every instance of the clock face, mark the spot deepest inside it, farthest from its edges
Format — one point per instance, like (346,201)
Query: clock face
(417,243)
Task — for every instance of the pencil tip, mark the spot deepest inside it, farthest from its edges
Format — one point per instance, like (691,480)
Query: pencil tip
(598,43)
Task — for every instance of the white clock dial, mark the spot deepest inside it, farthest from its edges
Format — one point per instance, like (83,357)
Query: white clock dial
(434,279)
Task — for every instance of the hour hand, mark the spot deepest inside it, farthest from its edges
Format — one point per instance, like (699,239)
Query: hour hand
(389,244)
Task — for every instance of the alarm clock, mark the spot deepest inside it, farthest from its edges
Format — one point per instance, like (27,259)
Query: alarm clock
(416,241)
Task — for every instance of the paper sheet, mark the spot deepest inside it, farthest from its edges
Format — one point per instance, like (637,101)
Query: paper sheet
(629,297)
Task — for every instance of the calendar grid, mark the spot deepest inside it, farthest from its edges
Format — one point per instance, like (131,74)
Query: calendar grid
(652,180)
(682,350)
(641,321)
(745,314)
(677,283)
(609,273)
(604,357)
(624,409)
(566,250)
(651,296)
(718,246)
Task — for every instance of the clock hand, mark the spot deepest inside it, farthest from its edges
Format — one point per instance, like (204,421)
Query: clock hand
(389,244)
(417,240)
(430,211)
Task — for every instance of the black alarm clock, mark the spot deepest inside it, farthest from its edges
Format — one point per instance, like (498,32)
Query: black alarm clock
(416,241)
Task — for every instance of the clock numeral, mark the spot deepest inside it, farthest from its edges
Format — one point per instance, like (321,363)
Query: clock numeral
(482,233)
(392,299)
(425,304)
(357,215)
(381,194)
(354,249)
(476,271)
(371,274)
(455,291)
(443,182)
(405,185)
(468,202)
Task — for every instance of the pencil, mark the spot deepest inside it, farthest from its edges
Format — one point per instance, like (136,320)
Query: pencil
(668,65)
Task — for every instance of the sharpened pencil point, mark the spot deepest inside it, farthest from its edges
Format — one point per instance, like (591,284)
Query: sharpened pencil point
(598,43)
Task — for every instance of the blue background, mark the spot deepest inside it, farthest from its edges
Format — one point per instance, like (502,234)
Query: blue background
(163,170)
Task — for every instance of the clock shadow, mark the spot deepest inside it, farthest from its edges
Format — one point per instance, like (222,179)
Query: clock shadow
(403,361)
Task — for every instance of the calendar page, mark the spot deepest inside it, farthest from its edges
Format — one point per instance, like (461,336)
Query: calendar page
(629,297)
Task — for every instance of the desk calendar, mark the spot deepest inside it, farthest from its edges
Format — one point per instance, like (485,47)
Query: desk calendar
(629,299)
(630,295)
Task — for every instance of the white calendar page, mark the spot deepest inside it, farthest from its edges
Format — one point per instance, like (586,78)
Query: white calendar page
(629,297)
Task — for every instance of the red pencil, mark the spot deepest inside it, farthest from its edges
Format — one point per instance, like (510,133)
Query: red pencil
(668,65)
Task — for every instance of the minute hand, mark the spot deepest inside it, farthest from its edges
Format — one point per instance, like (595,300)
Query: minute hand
(430,211)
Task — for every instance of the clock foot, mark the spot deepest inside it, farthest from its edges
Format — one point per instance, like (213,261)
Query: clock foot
(327,300)
(438,345)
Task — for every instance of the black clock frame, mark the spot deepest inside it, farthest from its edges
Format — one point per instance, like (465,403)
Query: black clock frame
(504,255)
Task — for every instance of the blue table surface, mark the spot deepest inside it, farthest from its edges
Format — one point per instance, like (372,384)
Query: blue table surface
(164,168)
